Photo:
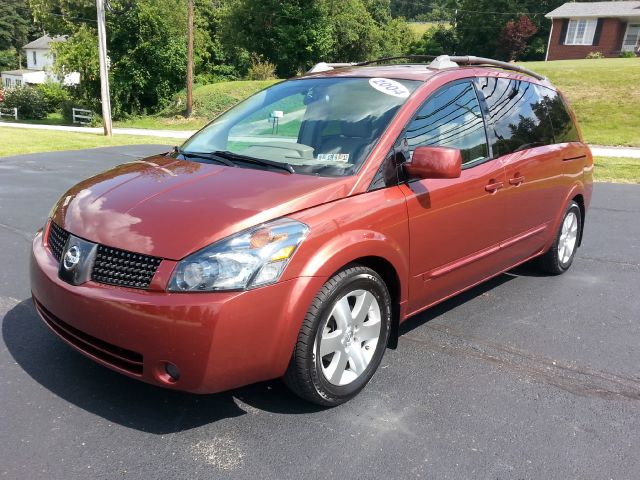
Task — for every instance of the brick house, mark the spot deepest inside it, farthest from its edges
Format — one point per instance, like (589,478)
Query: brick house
(606,27)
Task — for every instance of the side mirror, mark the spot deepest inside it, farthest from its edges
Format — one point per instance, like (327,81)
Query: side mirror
(435,162)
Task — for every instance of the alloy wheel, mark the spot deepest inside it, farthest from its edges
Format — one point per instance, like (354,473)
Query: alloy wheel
(568,237)
(349,337)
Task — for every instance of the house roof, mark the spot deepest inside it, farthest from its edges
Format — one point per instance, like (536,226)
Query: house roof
(16,72)
(44,41)
(596,9)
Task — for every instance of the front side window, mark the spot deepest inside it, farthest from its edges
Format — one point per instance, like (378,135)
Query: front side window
(35,58)
(517,118)
(18,83)
(451,117)
(319,126)
(580,31)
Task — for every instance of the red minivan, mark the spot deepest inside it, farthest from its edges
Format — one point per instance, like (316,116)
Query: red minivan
(293,234)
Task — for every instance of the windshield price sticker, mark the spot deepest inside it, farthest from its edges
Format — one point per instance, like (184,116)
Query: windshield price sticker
(390,87)
(333,157)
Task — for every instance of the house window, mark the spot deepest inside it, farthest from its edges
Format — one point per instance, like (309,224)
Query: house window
(35,58)
(7,82)
(18,82)
(631,38)
(580,31)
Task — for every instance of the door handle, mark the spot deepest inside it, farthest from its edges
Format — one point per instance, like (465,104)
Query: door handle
(516,180)
(493,187)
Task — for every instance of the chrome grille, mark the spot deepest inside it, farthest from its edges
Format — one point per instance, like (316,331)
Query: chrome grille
(122,268)
(56,240)
(112,266)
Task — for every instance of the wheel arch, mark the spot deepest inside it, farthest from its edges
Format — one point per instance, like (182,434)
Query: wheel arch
(390,277)
(381,252)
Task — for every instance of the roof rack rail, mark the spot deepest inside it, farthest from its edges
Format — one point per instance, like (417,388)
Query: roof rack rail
(323,66)
(446,61)
(438,62)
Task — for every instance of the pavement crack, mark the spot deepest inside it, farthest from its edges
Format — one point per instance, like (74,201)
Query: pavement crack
(605,209)
(27,236)
(613,262)
(578,380)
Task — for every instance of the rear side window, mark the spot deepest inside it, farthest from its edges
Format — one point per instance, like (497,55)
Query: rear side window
(564,129)
(451,117)
(517,116)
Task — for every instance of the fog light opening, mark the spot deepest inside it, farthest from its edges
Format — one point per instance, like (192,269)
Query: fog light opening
(173,371)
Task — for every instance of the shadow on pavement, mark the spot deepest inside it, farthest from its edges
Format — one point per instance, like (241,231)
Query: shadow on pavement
(119,399)
(122,400)
(525,270)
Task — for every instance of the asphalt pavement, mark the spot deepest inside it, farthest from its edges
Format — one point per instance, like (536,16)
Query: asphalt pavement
(524,377)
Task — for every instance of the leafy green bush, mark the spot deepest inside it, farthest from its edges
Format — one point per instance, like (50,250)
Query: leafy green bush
(28,100)
(8,59)
(261,69)
(626,55)
(217,73)
(594,55)
(54,95)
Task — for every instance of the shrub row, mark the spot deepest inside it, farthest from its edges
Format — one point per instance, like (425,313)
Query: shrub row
(34,103)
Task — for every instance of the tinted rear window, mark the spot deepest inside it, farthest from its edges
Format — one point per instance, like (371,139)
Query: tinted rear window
(517,118)
(564,129)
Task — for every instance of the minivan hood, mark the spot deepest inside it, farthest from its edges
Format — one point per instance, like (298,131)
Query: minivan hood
(170,208)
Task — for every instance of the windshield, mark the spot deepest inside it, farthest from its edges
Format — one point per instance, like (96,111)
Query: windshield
(324,126)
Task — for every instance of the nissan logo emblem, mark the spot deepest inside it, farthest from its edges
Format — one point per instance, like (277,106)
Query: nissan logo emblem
(72,257)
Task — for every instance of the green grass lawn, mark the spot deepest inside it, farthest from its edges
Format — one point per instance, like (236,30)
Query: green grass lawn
(17,141)
(159,122)
(617,170)
(605,94)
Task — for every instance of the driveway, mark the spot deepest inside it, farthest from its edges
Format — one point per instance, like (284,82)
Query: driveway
(526,376)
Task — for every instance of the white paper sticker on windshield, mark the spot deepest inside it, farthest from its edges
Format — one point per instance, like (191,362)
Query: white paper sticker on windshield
(333,157)
(390,87)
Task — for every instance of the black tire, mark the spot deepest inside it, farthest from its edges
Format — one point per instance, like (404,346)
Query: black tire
(550,261)
(305,376)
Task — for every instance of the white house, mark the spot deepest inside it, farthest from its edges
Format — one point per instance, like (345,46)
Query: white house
(40,60)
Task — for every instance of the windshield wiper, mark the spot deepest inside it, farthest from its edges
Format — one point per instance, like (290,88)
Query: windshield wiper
(206,156)
(235,157)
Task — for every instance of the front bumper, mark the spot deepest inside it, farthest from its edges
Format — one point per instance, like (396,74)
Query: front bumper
(218,340)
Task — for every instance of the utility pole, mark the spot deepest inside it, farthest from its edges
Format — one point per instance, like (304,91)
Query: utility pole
(190,60)
(104,69)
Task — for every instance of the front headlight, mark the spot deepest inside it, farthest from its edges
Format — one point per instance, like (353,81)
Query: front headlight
(248,259)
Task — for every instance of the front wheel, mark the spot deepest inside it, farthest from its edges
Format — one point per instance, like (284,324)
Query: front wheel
(560,256)
(342,339)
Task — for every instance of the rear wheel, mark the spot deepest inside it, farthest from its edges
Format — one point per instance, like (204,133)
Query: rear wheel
(342,339)
(560,256)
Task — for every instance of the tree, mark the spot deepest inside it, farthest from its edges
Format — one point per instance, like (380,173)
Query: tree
(438,40)
(355,34)
(16,29)
(146,47)
(396,38)
(292,34)
(15,24)
(478,23)
(514,36)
